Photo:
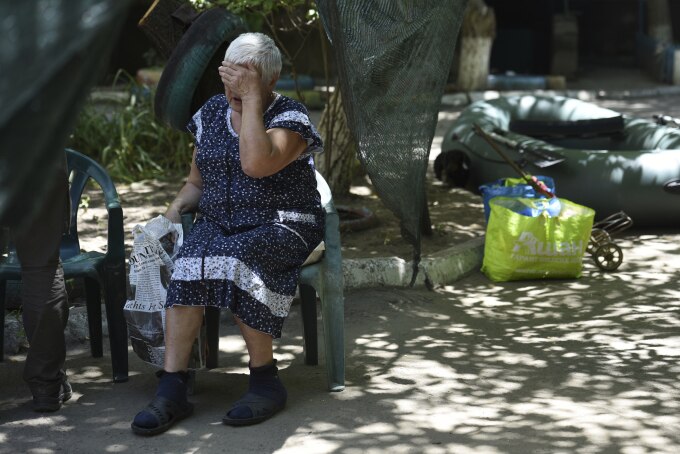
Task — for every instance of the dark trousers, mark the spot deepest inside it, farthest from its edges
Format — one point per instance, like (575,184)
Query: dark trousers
(43,293)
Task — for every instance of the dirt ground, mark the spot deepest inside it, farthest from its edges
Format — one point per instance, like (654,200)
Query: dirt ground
(451,224)
(456,215)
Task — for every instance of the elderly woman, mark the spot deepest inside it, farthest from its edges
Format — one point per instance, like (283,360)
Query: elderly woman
(252,179)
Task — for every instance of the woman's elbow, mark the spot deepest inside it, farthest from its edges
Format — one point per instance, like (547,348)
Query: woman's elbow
(254,171)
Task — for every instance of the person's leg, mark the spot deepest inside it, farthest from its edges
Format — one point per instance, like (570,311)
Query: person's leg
(266,394)
(44,298)
(182,324)
(259,345)
(45,314)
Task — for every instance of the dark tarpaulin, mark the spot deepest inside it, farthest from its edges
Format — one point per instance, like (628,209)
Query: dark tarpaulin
(393,59)
(51,52)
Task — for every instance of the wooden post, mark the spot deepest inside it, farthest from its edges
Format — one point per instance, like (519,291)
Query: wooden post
(659,27)
(476,37)
(659,21)
(564,45)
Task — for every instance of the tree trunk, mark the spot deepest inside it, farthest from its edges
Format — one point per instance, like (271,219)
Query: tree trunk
(338,163)
(473,69)
(476,36)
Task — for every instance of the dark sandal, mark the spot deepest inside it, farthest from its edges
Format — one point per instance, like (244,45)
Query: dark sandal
(261,407)
(167,413)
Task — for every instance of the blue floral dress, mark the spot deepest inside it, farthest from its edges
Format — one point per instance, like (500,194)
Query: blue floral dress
(253,235)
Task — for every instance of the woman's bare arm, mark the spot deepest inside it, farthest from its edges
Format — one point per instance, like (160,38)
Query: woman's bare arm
(262,152)
(266,153)
(187,198)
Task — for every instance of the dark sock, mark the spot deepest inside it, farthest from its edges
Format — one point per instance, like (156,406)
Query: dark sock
(264,381)
(172,386)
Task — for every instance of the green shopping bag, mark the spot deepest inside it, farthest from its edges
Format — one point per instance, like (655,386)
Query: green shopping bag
(535,247)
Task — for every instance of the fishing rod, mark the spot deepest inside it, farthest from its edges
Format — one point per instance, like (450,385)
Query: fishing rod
(538,186)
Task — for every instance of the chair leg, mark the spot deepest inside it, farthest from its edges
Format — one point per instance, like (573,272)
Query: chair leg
(3,286)
(94,316)
(308,308)
(115,295)
(333,317)
(212,334)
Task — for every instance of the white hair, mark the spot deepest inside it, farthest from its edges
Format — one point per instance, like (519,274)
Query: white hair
(259,50)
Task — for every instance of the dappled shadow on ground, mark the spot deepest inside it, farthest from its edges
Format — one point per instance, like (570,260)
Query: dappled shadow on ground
(584,365)
(98,417)
(588,365)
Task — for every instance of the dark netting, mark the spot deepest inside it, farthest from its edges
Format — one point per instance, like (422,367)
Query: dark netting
(393,59)
(50,54)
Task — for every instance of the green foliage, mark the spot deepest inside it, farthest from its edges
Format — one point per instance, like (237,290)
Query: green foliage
(128,141)
(260,13)
(259,6)
(277,18)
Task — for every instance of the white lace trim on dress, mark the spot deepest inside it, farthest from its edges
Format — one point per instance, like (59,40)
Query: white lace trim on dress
(231,128)
(292,115)
(299,117)
(295,217)
(199,125)
(232,269)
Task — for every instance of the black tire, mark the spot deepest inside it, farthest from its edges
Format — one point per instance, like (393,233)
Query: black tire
(355,219)
(190,76)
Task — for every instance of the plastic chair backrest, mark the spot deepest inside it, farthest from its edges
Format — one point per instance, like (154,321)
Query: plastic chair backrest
(324,190)
(81,168)
(331,231)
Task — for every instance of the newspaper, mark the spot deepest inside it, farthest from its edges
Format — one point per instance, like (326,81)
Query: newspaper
(151,265)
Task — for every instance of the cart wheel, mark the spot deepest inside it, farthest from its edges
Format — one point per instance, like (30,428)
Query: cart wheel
(597,237)
(608,257)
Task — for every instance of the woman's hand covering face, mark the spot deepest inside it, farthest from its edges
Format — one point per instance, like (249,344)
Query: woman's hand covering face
(241,82)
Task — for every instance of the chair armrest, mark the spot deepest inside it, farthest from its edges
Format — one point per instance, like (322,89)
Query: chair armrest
(115,250)
(333,256)
(187,222)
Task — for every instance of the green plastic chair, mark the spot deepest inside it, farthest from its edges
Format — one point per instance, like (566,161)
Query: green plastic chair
(98,270)
(323,277)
